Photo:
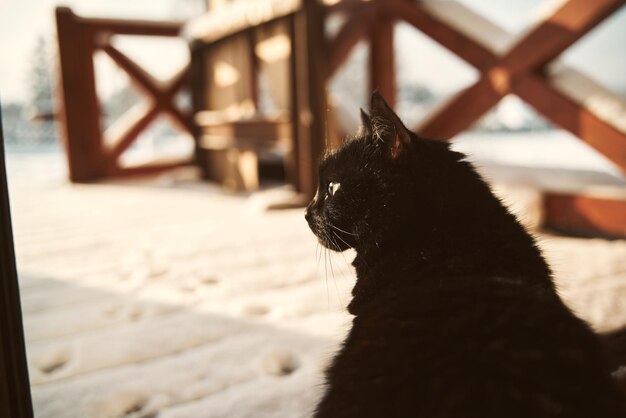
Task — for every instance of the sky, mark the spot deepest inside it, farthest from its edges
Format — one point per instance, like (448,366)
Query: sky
(600,54)
(23,21)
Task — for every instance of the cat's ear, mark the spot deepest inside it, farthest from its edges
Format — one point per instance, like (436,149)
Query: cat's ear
(387,127)
(366,124)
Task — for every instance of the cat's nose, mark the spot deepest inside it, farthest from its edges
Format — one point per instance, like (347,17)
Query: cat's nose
(307,214)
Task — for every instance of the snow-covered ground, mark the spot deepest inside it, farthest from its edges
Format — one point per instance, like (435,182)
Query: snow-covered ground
(170,298)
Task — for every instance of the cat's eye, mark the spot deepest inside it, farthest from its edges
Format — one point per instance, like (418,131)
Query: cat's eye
(332,188)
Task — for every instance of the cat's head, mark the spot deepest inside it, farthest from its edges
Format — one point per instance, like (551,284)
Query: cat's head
(384,179)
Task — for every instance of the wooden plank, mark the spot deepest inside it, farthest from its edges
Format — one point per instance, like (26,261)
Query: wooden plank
(585,215)
(291,163)
(181,119)
(253,72)
(15,399)
(607,105)
(450,38)
(162,98)
(138,76)
(130,133)
(352,31)
(308,93)
(235,115)
(573,117)
(556,33)
(199,103)
(80,113)
(382,60)
(467,22)
(262,131)
(345,6)
(133,27)
(461,111)
(238,18)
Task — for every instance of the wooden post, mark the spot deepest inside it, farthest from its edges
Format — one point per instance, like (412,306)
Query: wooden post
(586,215)
(382,58)
(308,93)
(80,108)
(253,71)
(15,399)
(199,101)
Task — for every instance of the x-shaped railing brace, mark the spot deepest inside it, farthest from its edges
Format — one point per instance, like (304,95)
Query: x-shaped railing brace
(162,100)
(520,71)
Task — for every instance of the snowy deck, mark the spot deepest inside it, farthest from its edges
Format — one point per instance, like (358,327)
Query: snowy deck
(172,299)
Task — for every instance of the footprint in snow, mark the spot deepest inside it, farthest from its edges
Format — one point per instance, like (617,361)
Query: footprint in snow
(278,363)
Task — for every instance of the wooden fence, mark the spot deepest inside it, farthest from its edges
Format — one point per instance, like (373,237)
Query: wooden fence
(90,156)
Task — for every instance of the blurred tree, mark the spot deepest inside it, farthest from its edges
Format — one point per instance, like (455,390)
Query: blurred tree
(41,104)
(37,125)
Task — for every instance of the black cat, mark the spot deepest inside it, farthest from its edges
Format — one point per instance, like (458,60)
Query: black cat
(456,313)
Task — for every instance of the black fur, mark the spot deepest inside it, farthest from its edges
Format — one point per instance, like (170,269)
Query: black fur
(456,313)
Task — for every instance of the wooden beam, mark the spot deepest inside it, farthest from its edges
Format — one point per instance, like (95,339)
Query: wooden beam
(438,30)
(382,60)
(130,133)
(573,117)
(181,119)
(253,72)
(199,102)
(468,22)
(556,33)
(308,82)
(352,31)
(133,27)
(163,99)
(347,6)
(138,76)
(528,55)
(461,111)
(80,109)
(585,215)
(598,99)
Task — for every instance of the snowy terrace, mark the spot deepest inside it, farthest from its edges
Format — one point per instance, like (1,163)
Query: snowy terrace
(168,297)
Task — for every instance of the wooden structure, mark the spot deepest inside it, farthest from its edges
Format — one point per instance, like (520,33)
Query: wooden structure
(15,398)
(233,38)
(224,114)
(92,152)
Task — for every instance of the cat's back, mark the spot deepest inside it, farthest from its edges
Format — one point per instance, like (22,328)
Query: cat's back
(470,347)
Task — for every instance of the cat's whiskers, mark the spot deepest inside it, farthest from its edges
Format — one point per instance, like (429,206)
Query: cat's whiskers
(332,271)
(326,276)
(347,264)
(342,230)
(318,254)
(344,241)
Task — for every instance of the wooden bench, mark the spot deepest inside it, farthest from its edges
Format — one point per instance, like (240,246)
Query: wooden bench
(231,150)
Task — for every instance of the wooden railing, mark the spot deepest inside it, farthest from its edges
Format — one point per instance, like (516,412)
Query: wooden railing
(520,67)
(90,156)
(521,70)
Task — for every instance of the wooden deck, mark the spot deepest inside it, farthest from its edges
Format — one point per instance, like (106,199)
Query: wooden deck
(171,297)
